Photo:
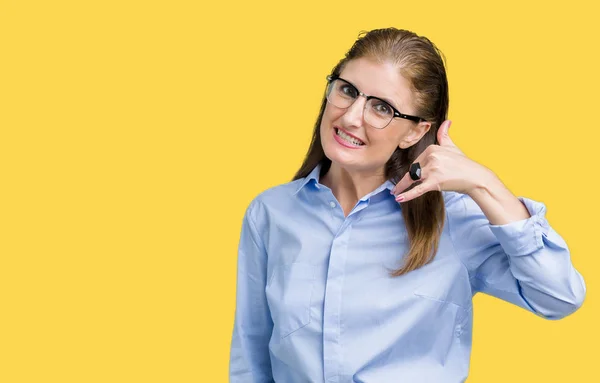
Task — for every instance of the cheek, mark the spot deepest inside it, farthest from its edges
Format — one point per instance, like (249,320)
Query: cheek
(323,128)
(327,121)
(331,114)
(385,141)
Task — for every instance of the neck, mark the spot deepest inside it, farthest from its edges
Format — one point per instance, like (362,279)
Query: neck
(348,186)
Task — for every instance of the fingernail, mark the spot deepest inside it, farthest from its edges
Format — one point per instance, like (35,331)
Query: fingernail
(400,198)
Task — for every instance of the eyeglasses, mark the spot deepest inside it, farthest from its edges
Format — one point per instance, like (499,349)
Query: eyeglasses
(378,113)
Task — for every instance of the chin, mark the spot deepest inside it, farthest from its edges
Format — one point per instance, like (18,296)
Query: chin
(343,159)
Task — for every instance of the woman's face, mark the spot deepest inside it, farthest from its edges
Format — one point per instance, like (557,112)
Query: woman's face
(373,79)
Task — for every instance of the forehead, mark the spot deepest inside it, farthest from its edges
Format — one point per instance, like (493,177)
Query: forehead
(381,80)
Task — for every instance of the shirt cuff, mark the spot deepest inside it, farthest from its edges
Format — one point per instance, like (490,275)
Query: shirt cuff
(525,236)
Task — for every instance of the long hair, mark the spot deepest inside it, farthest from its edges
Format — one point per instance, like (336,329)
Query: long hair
(422,64)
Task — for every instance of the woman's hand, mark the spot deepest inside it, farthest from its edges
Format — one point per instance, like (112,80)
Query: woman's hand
(443,167)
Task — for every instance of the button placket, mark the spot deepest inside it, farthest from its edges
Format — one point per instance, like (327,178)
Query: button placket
(332,308)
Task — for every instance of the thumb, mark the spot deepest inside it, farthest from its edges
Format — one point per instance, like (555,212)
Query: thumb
(447,128)
(443,136)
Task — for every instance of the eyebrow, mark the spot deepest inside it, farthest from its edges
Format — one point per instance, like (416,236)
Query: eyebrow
(381,98)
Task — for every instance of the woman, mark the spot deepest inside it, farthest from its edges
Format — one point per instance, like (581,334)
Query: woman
(363,268)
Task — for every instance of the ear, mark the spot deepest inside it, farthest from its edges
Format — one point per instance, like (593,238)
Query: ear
(415,134)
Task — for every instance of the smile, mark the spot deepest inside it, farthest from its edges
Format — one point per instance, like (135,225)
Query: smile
(344,138)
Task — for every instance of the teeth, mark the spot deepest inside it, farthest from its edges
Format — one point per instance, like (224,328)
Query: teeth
(348,138)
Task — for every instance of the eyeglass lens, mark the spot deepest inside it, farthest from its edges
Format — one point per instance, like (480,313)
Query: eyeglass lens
(377,113)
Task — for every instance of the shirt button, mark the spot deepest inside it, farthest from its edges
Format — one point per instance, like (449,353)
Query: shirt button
(332,204)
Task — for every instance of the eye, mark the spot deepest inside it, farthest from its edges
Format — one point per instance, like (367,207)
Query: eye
(348,90)
(382,108)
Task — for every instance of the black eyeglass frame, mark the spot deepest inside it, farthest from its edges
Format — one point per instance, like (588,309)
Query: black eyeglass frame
(331,78)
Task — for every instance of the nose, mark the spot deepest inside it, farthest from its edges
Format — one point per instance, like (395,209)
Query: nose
(355,112)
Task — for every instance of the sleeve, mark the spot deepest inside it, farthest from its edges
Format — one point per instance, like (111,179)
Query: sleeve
(249,355)
(524,262)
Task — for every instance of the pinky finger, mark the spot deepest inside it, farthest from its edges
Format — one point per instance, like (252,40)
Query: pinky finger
(413,193)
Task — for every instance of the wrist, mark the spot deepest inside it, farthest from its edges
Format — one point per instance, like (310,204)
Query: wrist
(483,184)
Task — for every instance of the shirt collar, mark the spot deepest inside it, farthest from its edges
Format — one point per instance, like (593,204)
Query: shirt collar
(315,174)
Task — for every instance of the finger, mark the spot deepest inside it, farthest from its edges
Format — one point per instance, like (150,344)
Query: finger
(443,135)
(404,183)
(416,191)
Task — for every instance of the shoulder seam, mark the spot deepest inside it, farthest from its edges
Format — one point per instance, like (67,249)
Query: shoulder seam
(253,225)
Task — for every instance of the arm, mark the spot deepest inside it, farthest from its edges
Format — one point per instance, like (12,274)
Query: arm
(523,260)
(510,253)
(249,356)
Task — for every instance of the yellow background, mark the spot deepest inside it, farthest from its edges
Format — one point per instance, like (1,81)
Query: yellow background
(135,133)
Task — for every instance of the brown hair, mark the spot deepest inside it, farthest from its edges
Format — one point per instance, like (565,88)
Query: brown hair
(422,64)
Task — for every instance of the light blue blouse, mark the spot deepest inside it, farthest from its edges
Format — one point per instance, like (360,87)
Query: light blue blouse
(315,302)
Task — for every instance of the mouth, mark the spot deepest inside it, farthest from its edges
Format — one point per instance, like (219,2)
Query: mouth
(347,138)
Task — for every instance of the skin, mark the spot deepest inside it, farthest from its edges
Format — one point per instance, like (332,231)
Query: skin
(356,172)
